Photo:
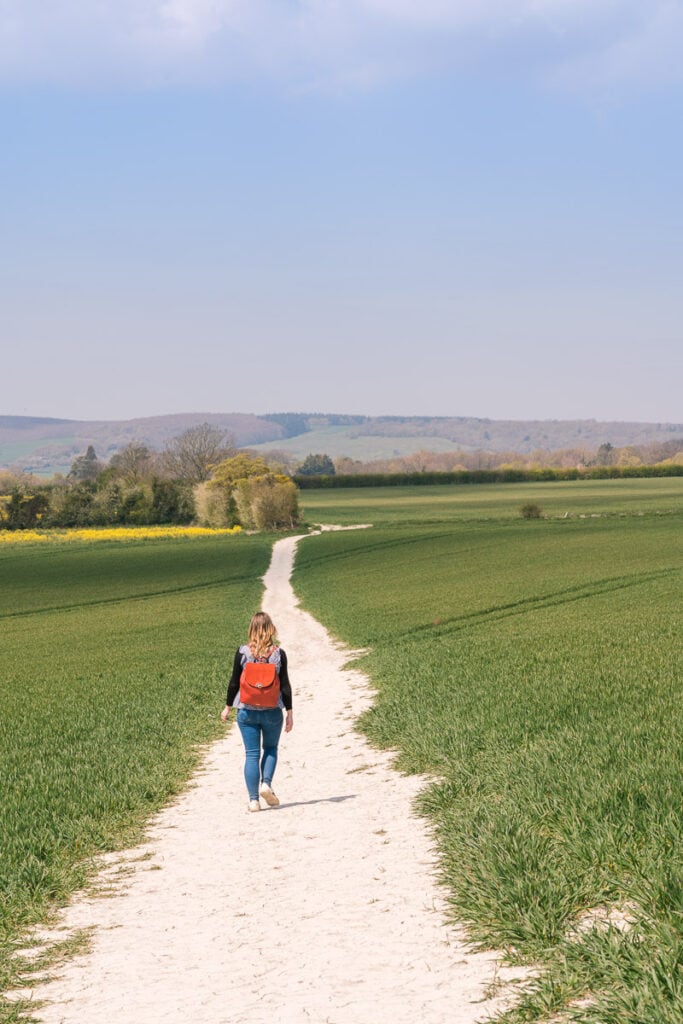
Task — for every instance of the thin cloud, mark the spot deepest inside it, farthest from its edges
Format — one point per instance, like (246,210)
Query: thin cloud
(647,55)
(339,44)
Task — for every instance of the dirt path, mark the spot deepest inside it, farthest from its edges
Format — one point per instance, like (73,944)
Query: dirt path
(323,910)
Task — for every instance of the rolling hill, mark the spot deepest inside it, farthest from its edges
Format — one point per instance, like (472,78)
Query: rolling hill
(45,445)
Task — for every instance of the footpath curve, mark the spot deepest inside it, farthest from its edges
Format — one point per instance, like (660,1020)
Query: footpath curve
(323,910)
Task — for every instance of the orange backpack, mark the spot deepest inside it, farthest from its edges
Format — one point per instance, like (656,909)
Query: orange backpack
(260,685)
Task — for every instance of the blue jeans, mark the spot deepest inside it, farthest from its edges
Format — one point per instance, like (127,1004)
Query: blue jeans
(258,727)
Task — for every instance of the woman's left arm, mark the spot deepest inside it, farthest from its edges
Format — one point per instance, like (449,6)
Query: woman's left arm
(233,685)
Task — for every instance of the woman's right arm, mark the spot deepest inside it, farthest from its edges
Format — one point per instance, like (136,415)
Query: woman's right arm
(286,692)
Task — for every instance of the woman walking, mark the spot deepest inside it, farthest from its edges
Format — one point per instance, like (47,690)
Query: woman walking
(259,688)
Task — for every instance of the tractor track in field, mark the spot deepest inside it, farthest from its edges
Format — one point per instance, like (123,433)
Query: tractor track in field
(123,599)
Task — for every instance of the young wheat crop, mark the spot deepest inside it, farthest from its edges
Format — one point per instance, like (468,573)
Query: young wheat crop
(114,663)
(535,669)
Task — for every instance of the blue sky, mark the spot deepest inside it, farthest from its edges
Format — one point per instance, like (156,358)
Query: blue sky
(373,206)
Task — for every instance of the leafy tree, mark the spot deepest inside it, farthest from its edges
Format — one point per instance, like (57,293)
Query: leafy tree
(85,467)
(244,490)
(215,506)
(171,502)
(108,503)
(75,506)
(215,499)
(628,456)
(238,467)
(24,511)
(267,502)
(192,455)
(316,465)
(605,455)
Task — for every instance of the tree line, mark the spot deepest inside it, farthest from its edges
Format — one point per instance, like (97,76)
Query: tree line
(485,476)
(606,454)
(200,477)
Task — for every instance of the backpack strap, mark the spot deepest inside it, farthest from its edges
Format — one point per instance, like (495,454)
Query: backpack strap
(249,656)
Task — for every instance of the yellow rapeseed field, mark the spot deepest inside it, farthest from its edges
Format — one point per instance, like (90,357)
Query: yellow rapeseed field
(118,533)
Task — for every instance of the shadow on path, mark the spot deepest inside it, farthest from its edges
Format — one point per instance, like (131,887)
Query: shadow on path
(325,800)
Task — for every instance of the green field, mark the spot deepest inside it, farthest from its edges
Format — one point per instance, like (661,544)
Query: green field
(534,668)
(113,666)
(345,441)
(447,502)
(24,451)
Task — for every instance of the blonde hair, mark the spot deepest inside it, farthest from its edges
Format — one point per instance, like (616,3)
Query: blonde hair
(261,635)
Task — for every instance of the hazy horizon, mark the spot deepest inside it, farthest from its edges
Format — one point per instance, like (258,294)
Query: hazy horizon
(197,413)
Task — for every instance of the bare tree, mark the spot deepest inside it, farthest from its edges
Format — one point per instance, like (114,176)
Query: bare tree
(192,454)
(132,462)
(17,479)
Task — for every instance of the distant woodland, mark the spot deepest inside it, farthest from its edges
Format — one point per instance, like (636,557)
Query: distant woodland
(202,475)
(44,447)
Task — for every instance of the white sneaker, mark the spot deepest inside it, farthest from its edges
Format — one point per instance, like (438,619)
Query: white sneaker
(266,792)
(254,805)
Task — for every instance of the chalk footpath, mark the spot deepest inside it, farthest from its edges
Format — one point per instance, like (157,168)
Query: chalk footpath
(324,909)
